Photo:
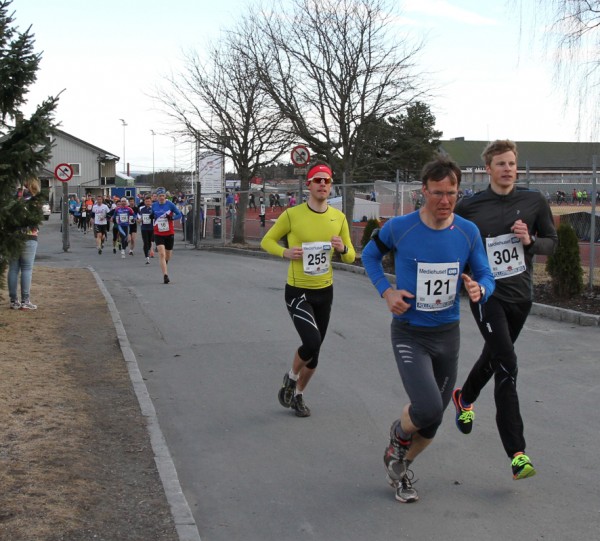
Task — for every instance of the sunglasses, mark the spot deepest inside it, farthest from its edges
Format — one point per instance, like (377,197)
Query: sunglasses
(321,180)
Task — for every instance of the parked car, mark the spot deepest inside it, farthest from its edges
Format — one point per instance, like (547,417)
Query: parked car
(46,210)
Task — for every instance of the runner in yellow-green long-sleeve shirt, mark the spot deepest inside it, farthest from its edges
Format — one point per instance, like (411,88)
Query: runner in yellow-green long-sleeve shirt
(313,230)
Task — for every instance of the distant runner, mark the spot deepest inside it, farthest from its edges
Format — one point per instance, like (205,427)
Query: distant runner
(164,212)
(121,218)
(146,226)
(100,216)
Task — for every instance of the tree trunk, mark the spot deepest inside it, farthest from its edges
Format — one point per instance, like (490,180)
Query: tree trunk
(239,236)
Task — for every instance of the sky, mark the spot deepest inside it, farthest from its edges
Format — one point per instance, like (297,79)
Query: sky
(491,76)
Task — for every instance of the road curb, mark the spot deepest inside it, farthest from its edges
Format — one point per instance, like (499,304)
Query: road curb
(186,527)
(568,316)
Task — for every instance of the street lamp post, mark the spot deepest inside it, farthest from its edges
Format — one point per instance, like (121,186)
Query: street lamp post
(174,159)
(124,124)
(153,134)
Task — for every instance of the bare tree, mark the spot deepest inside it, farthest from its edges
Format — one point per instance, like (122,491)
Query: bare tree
(571,35)
(220,104)
(334,68)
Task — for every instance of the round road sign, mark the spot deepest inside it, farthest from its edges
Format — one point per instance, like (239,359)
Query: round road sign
(300,156)
(63,172)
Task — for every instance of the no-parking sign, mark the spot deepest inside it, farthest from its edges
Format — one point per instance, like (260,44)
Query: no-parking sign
(63,172)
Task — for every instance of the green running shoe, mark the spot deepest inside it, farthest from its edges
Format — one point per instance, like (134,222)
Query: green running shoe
(522,467)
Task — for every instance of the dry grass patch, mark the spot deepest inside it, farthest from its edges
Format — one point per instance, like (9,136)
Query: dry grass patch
(75,458)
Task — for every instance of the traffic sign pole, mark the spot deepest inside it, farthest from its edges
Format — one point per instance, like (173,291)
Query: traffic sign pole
(64,172)
(300,158)
(65,216)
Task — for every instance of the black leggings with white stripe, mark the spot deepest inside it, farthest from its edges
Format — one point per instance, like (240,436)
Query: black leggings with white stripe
(310,310)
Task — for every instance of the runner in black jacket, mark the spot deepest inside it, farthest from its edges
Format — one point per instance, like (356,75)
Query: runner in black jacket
(515,224)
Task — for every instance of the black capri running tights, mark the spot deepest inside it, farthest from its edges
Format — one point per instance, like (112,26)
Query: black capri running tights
(148,238)
(310,310)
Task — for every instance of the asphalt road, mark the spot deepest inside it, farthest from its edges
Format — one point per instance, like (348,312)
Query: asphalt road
(213,346)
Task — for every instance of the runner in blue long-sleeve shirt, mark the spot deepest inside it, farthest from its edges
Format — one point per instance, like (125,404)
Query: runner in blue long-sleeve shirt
(431,248)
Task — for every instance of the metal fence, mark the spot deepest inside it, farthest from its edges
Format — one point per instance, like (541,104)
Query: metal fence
(386,199)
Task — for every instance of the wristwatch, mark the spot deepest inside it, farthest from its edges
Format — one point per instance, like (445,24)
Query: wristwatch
(481,292)
(533,238)
(345,250)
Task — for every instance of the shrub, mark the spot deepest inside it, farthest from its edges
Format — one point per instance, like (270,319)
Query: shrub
(388,259)
(372,224)
(564,266)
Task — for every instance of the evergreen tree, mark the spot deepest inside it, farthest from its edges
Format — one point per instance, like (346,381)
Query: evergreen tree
(564,265)
(370,226)
(403,142)
(416,140)
(24,142)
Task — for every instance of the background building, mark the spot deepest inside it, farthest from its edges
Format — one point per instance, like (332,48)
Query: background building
(94,169)
(539,161)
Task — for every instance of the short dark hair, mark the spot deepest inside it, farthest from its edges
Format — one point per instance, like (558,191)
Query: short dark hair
(440,168)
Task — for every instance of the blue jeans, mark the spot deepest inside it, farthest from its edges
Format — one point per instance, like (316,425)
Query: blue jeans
(24,264)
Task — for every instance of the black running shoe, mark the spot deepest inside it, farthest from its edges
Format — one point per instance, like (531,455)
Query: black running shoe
(464,416)
(286,393)
(394,456)
(298,405)
(166,279)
